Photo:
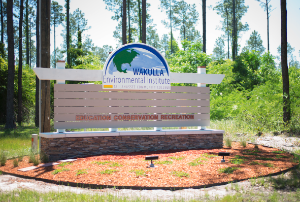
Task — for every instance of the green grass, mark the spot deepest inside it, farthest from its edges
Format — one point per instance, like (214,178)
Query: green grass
(60,170)
(198,161)
(3,158)
(280,156)
(17,142)
(15,162)
(164,162)
(228,142)
(238,160)
(177,158)
(206,155)
(180,174)
(270,165)
(65,164)
(139,172)
(243,143)
(108,171)
(264,158)
(81,172)
(278,152)
(252,152)
(101,162)
(228,170)
(115,164)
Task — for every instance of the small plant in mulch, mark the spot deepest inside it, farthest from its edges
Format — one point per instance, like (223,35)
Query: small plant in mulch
(278,152)
(108,171)
(164,162)
(264,164)
(44,157)
(206,155)
(139,172)
(228,142)
(15,162)
(180,174)
(20,159)
(101,162)
(177,158)
(115,164)
(81,172)
(243,143)
(60,170)
(3,158)
(228,170)
(0,172)
(238,160)
(280,156)
(264,158)
(65,164)
(197,161)
(252,152)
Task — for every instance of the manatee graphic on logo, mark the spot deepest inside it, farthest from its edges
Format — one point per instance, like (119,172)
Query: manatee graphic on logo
(136,67)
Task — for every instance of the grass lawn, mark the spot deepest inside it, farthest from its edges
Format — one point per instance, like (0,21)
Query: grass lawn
(16,142)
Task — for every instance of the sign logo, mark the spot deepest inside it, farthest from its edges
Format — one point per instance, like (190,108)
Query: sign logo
(136,67)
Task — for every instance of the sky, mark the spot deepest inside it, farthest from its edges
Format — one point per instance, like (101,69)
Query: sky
(102,26)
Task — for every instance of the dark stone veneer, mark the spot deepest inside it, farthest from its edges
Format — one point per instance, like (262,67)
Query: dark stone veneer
(74,147)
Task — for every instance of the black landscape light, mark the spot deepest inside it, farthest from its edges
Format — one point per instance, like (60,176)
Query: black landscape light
(151,158)
(223,154)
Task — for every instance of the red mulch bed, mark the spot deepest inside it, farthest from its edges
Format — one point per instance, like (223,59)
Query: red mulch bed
(161,176)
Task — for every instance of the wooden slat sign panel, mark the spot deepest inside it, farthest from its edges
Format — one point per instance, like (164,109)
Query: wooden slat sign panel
(89,106)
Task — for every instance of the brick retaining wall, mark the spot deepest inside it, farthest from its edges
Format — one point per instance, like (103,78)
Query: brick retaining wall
(74,147)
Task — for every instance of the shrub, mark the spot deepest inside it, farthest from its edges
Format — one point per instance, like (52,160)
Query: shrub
(59,170)
(44,157)
(243,143)
(228,142)
(177,158)
(81,172)
(165,162)
(138,172)
(108,172)
(31,157)
(16,162)
(228,170)
(101,162)
(180,174)
(3,158)
(115,164)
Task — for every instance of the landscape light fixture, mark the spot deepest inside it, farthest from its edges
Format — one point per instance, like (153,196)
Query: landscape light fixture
(151,158)
(223,154)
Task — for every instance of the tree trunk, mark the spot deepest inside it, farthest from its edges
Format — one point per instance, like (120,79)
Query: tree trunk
(27,31)
(233,31)
(20,107)
(284,66)
(124,40)
(204,24)
(45,62)
(129,31)
(2,31)
(54,42)
(171,27)
(144,25)
(68,32)
(140,20)
(184,36)
(36,120)
(227,32)
(267,5)
(10,124)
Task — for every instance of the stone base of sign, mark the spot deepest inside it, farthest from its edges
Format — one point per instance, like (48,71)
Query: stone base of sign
(73,145)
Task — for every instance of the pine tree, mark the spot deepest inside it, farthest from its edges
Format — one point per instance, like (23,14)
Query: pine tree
(224,8)
(255,43)
(57,17)
(219,49)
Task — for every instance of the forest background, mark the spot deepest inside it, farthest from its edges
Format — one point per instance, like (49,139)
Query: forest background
(251,93)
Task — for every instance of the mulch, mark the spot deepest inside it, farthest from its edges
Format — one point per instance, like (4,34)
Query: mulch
(88,170)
